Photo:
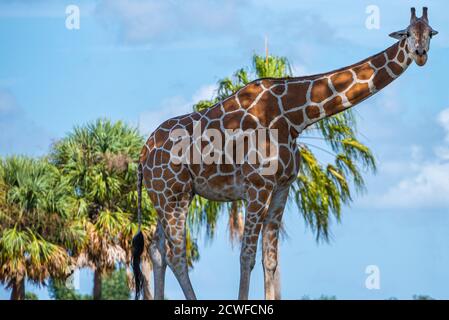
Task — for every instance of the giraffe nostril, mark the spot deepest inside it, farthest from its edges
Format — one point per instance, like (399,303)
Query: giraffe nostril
(420,52)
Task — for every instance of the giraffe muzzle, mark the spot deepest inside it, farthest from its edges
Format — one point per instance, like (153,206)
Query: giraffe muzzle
(421,58)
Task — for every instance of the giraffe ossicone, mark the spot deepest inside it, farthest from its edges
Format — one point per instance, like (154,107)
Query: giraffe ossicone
(283,105)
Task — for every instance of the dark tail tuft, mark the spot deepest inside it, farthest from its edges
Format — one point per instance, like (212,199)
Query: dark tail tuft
(138,243)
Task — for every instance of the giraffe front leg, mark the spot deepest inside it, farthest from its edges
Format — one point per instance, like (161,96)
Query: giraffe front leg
(270,245)
(277,280)
(255,214)
(270,264)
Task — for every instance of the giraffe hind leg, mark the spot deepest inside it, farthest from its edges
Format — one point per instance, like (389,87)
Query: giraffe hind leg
(175,235)
(170,189)
(158,258)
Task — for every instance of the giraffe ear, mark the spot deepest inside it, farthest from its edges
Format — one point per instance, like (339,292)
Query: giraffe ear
(399,34)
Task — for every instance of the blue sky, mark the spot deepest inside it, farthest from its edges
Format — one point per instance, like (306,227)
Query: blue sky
(145,61)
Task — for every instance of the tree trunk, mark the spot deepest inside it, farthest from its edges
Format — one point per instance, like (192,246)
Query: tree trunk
(236,223)
(18,289)
(147,269)
(97,285)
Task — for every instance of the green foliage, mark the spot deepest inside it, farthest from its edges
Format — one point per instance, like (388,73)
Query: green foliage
(63,290)
(204,212)
(76,208)
(115,286)
(271,67)
(31,296)
(99,163)
(36,225)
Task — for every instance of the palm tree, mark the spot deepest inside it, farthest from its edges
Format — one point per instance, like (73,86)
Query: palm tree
(99,162)
(322,187)
(38,230)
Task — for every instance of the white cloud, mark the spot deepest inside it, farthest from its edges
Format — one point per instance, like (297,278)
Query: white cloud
(172,107)
(427,188)
(425,183)
(152,20)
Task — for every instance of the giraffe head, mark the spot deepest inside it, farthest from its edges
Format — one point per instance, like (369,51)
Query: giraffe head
(418,35)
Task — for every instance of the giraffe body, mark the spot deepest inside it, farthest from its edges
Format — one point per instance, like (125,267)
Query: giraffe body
(287,105)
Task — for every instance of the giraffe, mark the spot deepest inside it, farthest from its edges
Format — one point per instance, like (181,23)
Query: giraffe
(283,105)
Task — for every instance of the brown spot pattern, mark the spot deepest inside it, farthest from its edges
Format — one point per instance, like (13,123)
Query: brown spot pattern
(214,113)
(357,92)
(232,120)
(401,56)
(320,90)
(333,106)
(342,80)
(313,112)
(296,95)
(249,123)
(381,79)
(249,94)
(296,117)
(364,72)
(230,105)
(279,89)
(392,51)
(379,61)
(265,109)
(397,70)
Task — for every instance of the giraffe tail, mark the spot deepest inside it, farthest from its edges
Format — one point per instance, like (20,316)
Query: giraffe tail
(138,242)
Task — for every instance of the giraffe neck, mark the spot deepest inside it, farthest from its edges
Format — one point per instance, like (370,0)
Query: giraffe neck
(310,99)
